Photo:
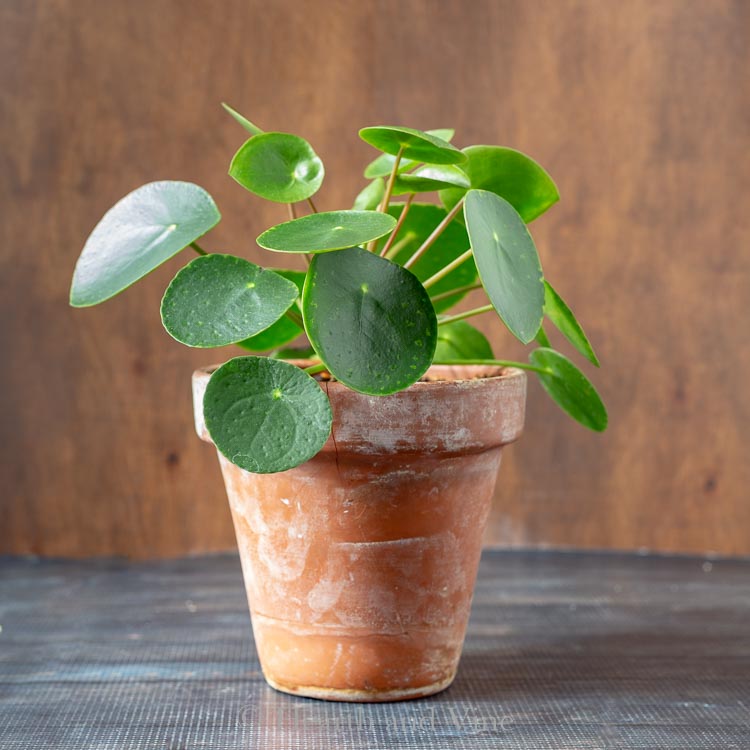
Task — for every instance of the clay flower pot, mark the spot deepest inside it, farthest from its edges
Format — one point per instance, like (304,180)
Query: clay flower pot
(360,564)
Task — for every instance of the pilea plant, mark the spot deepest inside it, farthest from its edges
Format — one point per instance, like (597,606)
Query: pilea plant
(374,300)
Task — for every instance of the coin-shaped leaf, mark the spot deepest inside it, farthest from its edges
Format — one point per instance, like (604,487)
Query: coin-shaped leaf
(278,167)
(413,144)
(266,415)
(382,166)
(323,232)
(510,174)
(417,227)
(139,233)
(284,329)
(217,300)
(563,319)
(507,261)
(570,389)
(370,197)
(430,177)
(370,321)
(249,126)
(460,340)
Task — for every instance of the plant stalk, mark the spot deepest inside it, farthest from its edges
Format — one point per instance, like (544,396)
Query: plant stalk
(198,249)
(314,369)
(439,229)
(457,290)
(404,211)
(445,271)
(398,246)
(312,206)
(292,211)
(391,182)
(497,363)
(467,314)
(295,318)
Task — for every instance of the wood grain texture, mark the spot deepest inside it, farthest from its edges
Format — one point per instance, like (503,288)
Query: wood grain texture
(641,112)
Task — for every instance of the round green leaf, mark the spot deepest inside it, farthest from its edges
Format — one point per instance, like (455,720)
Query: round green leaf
(139,233)
(370,321)
(416,144)
(563,319)
(369,199)
(266,415)
(323,232)
(278,167)
(382,166)
(220,299)
(251,128)
(430,177)
(284,329)
(510,174)
(460,340)
(417,227)
(507,261)
(570,389)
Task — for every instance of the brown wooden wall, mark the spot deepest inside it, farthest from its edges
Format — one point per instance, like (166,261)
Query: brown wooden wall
(640,109)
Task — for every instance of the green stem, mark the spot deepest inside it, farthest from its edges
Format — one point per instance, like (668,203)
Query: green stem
(198,249)
(312,206)
(404,211)
(398,246)
(439,229)
(452,266)
(292,211)
(295,318)
(496,363)
(467,314)
(314,369)
(458,290)
(391,182)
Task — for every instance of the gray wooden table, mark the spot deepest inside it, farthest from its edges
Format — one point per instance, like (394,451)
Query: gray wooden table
(564,651)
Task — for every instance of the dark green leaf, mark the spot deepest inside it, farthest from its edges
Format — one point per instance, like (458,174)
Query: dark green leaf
(507,261)
(417,227)
(217,300)
(323,232)
(266,415)
(510,174)
(249,126)
(369,199)
(139,233)
(430,177)
(382,166)
(371,321)
(283,330)
(460,340)
(414,144)
(278,167)
(564,320)
(570,389)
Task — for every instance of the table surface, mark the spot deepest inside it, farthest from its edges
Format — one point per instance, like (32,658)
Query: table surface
(563,651)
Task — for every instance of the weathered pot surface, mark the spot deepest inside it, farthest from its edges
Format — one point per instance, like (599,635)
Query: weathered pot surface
(360,564)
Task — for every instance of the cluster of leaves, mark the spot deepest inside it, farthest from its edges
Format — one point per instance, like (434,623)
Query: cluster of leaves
(373,300)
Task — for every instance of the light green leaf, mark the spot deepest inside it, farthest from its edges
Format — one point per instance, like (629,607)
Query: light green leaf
(279,167)
(460,340)
(564,320)
(369,199)
(323,232)
(249,126)
(382,166)
(510,174)
(266,415)
(217,300)
(283,330)
(570,389)
(507,261)
(139,233)
(370,321)
(413,144)
(430,177)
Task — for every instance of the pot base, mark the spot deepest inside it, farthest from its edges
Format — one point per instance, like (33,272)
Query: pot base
(361,696)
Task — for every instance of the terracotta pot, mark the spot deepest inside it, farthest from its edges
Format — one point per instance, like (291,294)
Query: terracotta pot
(360,564)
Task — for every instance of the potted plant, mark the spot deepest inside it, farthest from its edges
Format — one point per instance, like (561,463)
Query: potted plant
(359,471)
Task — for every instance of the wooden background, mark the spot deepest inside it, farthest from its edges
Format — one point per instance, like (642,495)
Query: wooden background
(640,109)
